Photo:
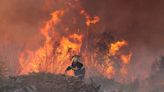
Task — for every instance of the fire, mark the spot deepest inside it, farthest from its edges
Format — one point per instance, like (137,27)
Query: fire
(90,20)
(60,45)
(44,59)
(109,71)
(109,67)
(126,58)
(67,45)
(116,46)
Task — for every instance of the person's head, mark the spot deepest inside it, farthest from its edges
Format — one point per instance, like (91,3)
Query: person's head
(75,58)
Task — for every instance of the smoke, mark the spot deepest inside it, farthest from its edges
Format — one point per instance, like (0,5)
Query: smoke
(140,22)
(19,24)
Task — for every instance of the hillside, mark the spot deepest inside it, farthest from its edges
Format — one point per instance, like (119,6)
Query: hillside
(44,82)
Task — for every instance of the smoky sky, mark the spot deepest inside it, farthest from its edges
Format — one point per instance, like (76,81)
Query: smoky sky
(19,23)
(140,22)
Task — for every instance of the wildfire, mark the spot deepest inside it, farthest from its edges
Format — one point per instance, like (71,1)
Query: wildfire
(54,55)
(44,59)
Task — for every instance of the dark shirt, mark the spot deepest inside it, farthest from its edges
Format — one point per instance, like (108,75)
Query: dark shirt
(77,65)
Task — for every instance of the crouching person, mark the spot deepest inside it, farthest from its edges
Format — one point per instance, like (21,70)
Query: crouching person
(77,67)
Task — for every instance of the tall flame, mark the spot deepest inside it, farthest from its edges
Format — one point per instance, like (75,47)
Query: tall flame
(116,47)
(44,59)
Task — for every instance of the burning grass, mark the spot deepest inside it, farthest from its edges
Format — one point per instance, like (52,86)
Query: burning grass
(65,37)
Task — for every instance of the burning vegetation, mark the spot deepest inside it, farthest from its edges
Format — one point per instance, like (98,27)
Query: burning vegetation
(71,28)
(66,34)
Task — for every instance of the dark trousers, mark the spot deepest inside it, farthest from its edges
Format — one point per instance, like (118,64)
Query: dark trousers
(80,73)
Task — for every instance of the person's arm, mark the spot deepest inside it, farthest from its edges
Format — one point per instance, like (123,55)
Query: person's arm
(69,68)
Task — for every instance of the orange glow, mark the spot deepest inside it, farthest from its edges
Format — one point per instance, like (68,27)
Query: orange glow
(116,46)
(124,71)
(44,59)
(110,71)
(126,58)
(90,20)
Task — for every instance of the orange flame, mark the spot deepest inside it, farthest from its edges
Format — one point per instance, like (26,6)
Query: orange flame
(44,58)
(126,58)
(90,20)
(116,46)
